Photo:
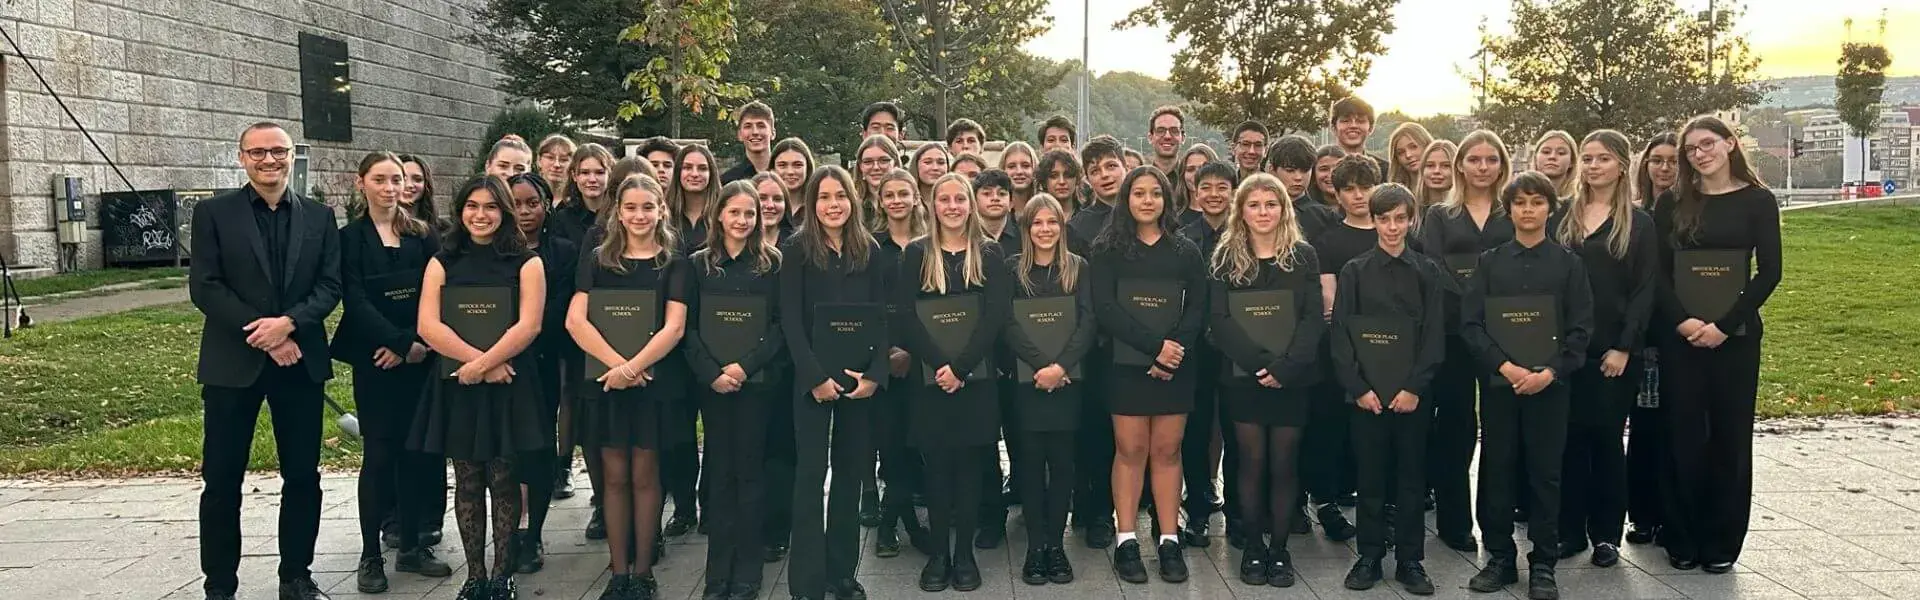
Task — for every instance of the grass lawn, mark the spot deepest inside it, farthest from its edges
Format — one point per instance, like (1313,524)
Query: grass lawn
(116,394)
(85,280)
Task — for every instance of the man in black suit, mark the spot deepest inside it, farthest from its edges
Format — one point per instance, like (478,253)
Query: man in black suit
(265,273)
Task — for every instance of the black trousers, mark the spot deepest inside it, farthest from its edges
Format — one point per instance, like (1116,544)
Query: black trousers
(1046,467)
(736,438)
(1389,449)
(1647,454)
(393,476)
(1327,451)
(1537,423)
(1196,448)
(778,525)
(1710,432)
(953,495)
(1093,497)
(826,531)
(680,467)
(1450,442)
(294,402)
(1593,490)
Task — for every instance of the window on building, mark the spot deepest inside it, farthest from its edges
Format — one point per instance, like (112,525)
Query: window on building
(326,104)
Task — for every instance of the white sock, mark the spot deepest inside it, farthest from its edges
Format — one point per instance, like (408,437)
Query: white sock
(1122,537)
(1164,538)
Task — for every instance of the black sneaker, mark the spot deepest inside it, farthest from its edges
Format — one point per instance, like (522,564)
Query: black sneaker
(1413,577)
(1497,575)
(563,480)
(531,557)
(371,577)
(1034,570)
(936,575)
(743,591)
(1462,543)
(966,572)
(681,524)
(503,588)
(1173,561)
(1605,555)
(301,589)
(887,544)
(847,589)
(1335,524)
(1099,534)
(775,552)
(991,534)
(643,587)
(1195,534)
(1642,534)
(476,589)
(1364,574)
(1253,565)
(1059,569)
(1541,584)
(1126,562)
(597,525)
(421,561)
(1280,568)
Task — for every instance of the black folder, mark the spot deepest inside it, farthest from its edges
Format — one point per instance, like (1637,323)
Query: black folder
(480,315)
(1156,304)
(844,337)
(1709,282)
(1385,349)
(1527,328)
(626,319)
(950,322)
(732,327)
(1049,323)
(1267,316)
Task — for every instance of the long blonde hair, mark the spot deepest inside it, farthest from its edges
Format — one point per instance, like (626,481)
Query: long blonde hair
(1069,262)
(933,268)
(918,221)
(1573,231)
(1424,196)
(1457,195)
(613,245)
(1397,172)
(1569,180)
(1233,260)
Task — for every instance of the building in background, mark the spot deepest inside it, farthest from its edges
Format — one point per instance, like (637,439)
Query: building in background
(1887,155)
(165,87)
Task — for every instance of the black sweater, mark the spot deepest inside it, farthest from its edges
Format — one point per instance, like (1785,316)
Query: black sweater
(1744,219)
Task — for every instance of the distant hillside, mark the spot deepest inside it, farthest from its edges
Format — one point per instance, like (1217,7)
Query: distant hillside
(1121,103)
(1818,90)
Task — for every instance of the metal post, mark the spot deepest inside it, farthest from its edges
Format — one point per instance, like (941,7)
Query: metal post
(1790,157)
(1082,115)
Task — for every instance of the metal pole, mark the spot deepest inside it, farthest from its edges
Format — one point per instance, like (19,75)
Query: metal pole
(1789,158)
(1082,116)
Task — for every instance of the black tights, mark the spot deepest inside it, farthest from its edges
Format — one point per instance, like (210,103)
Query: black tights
(391,477)
(953,495)
(1046,473)
(1270,454)
(536,473)
(472,482)
(631,506)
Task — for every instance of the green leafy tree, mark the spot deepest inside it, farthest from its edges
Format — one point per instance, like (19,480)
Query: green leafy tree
(1861,83)
(957,51)
(696,40)
(1638,66)
(1120,103)
(564,54)
(1278,62)
(1012,95)
(818,63)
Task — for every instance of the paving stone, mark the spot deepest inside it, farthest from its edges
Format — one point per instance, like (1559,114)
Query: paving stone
(1728,586)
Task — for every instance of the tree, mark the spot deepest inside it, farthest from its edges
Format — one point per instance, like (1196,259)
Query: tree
(1638,66)
(1281,63)
(1861,82)
(1119,104)
(563,53)
(696,37)
(818,63)
(961,47)
(1010,97)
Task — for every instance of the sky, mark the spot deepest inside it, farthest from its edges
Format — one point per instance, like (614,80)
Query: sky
(1420,72)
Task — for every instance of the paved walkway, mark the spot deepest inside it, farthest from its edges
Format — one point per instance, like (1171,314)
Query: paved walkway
(57,310)
(1836,514)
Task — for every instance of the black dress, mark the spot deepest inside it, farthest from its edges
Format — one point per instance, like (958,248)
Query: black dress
(483,421)
(380,297)
(1297,368)
(970,416)
(646,416)
(1172,258)
(1059,410)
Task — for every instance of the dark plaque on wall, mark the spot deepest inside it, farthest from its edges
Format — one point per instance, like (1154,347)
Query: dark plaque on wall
(326,104)
(139,227)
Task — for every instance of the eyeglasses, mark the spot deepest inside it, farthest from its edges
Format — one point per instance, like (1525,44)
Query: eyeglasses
(263,153)
(875,162)
(1708,146)
(1168,131)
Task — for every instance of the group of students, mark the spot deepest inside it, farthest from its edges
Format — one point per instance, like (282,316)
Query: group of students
(1327,324)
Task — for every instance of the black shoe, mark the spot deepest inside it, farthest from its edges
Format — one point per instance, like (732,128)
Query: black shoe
(966,572)
(532,555)
(1571,549)
(1335,524)
(1299,525)
(847,589)
(1413,577)
(1364,574)
(1126,562)
(888,543)
(1497,575)
(715,590)
(503,588)
(991,535)
(432,538)
(476,589)
(1682,563)
(1605,555)
(1059,569)
(1253,565)
(1428,503)
(870,512)
(1717,567)
(1195,534)
(642,587)
(1100,534)
(1642,535)
(617,587)
(371,577)
(220,596)
(659,550)
(681,524)
(921,539)
(597,525)
(937,574)
(1347,500)
(563,480)
(775,552)
(743,591)
(301,589)
(421,561)
(1173,562)
(1541,584)
(391,538)
(1463,543)
(1034,570)
(1280,567)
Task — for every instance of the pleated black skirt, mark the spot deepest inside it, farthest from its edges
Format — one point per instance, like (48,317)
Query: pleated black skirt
(483,421)
(1248,402)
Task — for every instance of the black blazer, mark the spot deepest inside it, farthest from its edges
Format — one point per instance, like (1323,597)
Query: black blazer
(229,282)
(380,292)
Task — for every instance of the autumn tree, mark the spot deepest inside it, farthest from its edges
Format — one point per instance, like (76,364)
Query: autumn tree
(962,49)
(818,63)
(1861,83)
(1281,63)
(1638,66)
(564,54)
(695,40)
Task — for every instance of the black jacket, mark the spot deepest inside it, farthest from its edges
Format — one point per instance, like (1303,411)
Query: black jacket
(231,282)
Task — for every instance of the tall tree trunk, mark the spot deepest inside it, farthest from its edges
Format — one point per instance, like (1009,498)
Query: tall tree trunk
(937,19)
(673,92)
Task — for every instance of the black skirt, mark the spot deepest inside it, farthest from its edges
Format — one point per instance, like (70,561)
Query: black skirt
(1252,403)
(1134,393)
(969,417)
(385,400)
(484,421)
(637,417)
(1034,410)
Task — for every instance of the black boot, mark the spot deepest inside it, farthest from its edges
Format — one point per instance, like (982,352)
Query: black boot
(1540,582)
(966,572)
(1497,575)
(937,574)
(1253,564)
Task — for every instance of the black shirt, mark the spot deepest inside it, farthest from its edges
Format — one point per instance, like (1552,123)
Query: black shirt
(995,297)
(1046,284)
(1295,366)
(1623,288)
(1513,269)
(1410,286)
(1340,242)
(1172,258)
(1445,233)
(1314,215)
(712,272)
(1009,238)
(743,171)
(804,284)
(561,258)
(276,231)
(1747,218)
(1085,225)
(1203,235)
(571,220)
(669,281)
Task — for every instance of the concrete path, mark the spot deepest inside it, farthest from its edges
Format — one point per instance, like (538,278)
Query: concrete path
(57,310)
(1836,515)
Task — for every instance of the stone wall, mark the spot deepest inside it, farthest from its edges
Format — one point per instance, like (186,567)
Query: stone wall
(165,87)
